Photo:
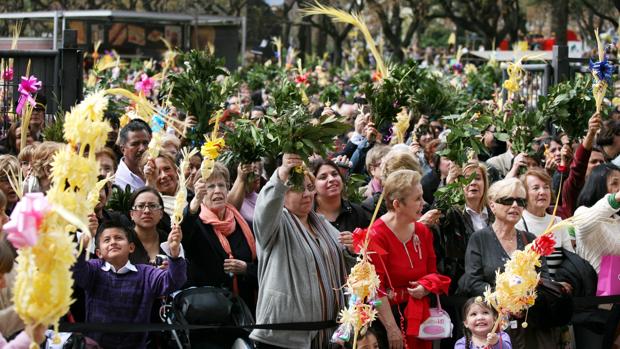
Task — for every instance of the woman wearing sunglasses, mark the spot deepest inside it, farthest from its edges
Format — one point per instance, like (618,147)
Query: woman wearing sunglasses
(488,250)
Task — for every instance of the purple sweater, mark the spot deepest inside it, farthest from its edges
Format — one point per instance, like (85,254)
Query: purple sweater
(503,343)
(124,298)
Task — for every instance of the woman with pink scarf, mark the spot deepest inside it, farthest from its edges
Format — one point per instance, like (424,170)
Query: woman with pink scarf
(219,244)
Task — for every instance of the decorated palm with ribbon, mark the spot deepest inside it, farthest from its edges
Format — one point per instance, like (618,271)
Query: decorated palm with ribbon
(602,71)
(41,226)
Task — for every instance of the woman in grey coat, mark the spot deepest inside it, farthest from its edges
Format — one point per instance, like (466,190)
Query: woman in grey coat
(301,262)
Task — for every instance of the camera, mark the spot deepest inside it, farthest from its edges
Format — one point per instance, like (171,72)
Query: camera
(159,259)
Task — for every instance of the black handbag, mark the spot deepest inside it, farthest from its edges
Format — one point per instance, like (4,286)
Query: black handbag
(553,306)
(211,306)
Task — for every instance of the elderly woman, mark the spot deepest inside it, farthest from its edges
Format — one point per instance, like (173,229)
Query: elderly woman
(330,201)
(302,264)
(219,244)
(597,222)
(535,218)
(407,271)
(488,250)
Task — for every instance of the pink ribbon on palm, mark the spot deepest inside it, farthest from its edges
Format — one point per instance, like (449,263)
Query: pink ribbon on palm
(7,74)
(23,228)
(145,84)
(27,88)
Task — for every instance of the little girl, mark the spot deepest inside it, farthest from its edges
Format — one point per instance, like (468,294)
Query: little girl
(479,319)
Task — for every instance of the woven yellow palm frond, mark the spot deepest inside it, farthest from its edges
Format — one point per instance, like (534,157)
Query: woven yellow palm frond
(354,19)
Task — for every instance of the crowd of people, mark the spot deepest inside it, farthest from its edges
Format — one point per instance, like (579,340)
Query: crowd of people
(287,253)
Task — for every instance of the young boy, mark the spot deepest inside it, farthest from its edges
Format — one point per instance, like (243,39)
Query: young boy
(120,292)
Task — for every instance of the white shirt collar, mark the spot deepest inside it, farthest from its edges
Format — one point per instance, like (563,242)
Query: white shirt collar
(123,270)
(484,213)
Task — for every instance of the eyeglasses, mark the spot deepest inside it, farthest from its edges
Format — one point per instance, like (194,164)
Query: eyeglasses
(309,188)
(143,207)
(509,201)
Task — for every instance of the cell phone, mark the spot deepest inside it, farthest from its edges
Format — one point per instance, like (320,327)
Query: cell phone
(159,259)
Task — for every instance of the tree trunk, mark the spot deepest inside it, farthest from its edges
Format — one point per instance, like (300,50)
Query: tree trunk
(559,22)
(337,59)
(321,42)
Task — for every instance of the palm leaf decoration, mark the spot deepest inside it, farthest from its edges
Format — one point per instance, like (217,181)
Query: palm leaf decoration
(340,16)
(245,143)
(569,105)
(298,132)
(196,89)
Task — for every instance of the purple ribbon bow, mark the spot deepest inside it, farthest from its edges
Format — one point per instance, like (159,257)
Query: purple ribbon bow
(27,88)
(603,69)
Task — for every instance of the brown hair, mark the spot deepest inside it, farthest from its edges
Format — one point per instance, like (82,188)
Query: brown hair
(398,184)
(8,163)
(106,151)
(538,173)
(26,153)
(472,166)
(7,257)
(42,158)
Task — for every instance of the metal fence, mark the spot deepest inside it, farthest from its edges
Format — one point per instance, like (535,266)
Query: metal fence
(60,72)
(539,78)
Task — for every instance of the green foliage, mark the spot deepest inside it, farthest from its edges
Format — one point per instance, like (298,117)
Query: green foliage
(197,90)
(120,199)
(464,140)
(452,194)
(330,94)
(435,35)
(434,97)
(284,95)
(354,183)
(258,75)
(569,105)
(53,131)
(415,88)
(522,126)
(392,93)
(482,84)
(297,132)
(245,143)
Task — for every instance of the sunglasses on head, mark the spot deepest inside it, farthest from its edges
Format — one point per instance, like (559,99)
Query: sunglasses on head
(508,201)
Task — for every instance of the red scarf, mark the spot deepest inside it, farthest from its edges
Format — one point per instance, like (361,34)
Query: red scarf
(223,228)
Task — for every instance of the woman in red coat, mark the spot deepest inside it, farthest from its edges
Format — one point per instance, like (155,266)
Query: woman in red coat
(405,261)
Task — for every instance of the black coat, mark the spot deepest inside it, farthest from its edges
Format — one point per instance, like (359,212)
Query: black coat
(451,243)
(205,258)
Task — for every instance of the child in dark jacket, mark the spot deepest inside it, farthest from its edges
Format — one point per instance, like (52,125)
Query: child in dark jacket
(118,291)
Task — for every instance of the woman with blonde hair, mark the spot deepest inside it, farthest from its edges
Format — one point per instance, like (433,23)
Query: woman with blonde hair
(39,179)
(489,249)
(407,269)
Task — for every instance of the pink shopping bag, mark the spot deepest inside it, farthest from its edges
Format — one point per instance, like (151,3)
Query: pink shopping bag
(609,276)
